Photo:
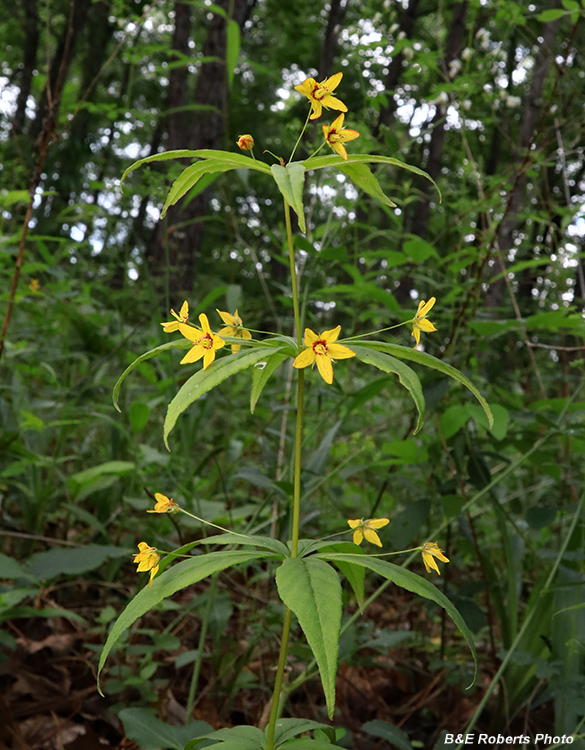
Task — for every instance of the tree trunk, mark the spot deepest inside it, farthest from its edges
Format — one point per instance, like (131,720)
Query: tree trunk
(204,130)
(532,110)
(395,70)
(455,41)
(29,59)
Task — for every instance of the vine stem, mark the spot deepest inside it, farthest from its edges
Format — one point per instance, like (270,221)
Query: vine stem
(274,709)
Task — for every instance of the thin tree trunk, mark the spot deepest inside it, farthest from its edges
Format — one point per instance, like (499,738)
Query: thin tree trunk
(455,41)
(531,114)
(336,15)
(386,115)
(202,130)
(29,59)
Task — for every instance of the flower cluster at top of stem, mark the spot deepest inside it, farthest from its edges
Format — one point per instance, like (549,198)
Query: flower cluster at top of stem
(320,95)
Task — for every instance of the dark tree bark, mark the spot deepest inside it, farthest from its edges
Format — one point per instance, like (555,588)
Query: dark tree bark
(531,115)
(329,50)
(395,69)
(61,60)
(204,130)
(454,44)
(29,59)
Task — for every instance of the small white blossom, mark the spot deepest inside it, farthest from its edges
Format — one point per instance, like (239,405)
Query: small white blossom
(402,35)
(466,104)
(513,101)
(394,28)
(454,67)
(442,99)
(467,54)
(408,53)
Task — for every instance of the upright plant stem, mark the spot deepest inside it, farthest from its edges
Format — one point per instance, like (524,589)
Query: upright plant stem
(296,487)
(200,649)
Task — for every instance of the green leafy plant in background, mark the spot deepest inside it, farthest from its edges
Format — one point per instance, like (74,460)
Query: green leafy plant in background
(305,570)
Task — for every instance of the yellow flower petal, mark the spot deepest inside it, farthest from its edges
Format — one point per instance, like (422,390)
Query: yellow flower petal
(227,318)
(204,323)
(189,332)
(163,504)
(416,334)
(358,536)
(426,325)
(304,359)
(371,536)
(330,336)
(426,307)
(339,351)
(354,522)
(325,368)
(377,523)
(310,337)
(331,83)
(429,551)
(193,355)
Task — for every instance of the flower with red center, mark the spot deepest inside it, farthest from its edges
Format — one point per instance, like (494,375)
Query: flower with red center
(163,504)
(320,94)
(147,559)
(324,351)
(429,551)
(365,529)
(234,327)
(336,135)
(182,317)
(420,322)
(205,342)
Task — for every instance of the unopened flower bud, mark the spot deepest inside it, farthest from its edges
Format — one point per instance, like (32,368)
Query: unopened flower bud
(245,142)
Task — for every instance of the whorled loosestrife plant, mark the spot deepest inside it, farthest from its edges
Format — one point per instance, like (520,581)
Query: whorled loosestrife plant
(306,579)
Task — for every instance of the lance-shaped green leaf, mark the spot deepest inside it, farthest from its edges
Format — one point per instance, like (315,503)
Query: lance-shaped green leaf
(179,344)
(406,375)
(322,162)
(236,161)
(312,590)
(411,582)
(362,177)
(176,578)
(233,49)
(291,181)
(190,177)
(261,375)
(286,729)
(267,542)
(414,355)
(205,380)
(355,574)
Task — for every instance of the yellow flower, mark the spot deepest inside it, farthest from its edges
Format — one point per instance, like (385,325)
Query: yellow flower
(163,504)
(234,327)
(34,285)
(319,94)
(245,142)
(336,135)
(366,529)
(430,550)
(323,349)
(420,322)
(182,317)
(206,342)
(147,559)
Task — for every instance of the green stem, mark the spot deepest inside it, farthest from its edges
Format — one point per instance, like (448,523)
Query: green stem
(296,514)
(300,136)
(293,272)
(200,648)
